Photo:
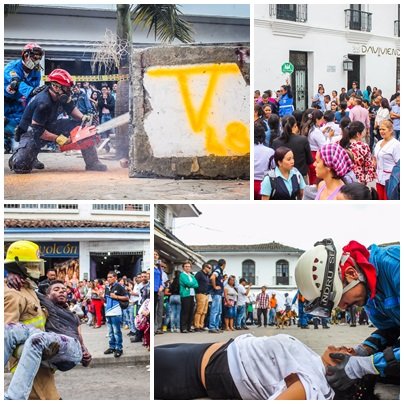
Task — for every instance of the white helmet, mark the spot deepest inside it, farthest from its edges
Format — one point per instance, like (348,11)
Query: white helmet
(317,277)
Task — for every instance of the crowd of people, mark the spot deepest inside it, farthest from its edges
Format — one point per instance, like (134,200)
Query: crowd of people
(42,117)
(345,146)
(43,316)
(335,285)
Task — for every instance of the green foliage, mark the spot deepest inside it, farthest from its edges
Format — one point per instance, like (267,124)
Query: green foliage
(165,20)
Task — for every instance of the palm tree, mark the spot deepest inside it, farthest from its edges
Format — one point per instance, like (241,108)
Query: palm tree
(167,24)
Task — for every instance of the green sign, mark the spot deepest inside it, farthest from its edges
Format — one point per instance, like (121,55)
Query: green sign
(287,67)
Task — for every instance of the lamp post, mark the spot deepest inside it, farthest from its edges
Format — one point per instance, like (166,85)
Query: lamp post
(347,64)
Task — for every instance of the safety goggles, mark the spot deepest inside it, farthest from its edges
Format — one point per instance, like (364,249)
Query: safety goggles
(323,305)
(65,90)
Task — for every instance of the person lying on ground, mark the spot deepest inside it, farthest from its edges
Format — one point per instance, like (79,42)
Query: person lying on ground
(61,346)
(278,367)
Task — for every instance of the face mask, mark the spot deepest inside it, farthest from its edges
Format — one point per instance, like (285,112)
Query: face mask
(29,63)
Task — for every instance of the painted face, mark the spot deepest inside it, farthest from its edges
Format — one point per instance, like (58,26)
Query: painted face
(288,161)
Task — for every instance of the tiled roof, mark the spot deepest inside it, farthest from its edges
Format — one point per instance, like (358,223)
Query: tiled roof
(266,247)
(35,223)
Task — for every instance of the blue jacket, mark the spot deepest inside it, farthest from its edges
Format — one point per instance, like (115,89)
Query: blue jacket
(14,104)
(384,309)
(285,105)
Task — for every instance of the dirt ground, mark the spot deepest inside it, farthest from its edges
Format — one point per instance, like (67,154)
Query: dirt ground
(64,178)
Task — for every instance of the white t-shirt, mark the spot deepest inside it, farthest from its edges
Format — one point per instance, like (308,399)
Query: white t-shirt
(386,157)
(262,154)
(259,366)
(316,139)
(241,298)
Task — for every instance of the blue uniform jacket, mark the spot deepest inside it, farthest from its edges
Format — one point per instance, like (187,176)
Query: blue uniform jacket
(384,309)
(14,104)
(285,105)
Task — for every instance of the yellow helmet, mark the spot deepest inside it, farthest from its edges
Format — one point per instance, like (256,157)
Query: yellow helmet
(25,256)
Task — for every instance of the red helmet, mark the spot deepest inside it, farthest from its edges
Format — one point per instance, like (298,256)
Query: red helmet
(33,47)
(61,77)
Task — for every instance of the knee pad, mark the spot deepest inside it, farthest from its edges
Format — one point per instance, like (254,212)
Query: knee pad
(23,158)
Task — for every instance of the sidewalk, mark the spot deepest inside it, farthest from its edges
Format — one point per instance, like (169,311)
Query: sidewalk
(64,177)
(96,340)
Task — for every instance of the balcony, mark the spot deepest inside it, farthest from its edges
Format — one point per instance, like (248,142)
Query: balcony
(397,28)
(251,279)
(289,12)
(282,280)
(358,20)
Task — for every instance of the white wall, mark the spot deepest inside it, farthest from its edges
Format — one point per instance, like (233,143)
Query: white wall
(207,104)
(325,38)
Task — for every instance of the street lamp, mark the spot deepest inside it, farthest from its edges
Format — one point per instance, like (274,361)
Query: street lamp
(347,64)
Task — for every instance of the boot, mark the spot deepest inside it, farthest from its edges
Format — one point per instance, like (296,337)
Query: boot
(91,159)
(38,164)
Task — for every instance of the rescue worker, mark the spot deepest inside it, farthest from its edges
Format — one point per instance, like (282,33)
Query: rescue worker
(303,319)
(21,80)
(328,277)
(39,121)
(21,305)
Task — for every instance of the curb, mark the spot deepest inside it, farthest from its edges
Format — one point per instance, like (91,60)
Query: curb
(122,361)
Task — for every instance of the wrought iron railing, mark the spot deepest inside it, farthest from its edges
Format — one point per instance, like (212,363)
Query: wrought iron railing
(289,12)
(397,28)
(358,20)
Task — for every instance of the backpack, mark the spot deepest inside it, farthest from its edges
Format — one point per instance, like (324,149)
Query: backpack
(393,183)
(279,190)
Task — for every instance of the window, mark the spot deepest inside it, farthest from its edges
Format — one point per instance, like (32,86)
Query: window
(357,19)
(289,12)
(248,271)
(121,207)
(282,272)
(160,213)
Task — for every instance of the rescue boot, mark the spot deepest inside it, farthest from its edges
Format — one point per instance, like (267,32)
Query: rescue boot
(38,164)
(91,159)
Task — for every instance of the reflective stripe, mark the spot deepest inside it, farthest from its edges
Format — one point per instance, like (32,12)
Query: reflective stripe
(37,322)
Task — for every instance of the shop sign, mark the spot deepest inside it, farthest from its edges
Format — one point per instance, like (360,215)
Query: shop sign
(288,67)
(57,249)
(376,50)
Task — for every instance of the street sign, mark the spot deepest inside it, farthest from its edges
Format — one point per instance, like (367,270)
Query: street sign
(288,67)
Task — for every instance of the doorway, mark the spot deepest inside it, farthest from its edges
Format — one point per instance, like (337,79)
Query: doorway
(299,79)
(355,74)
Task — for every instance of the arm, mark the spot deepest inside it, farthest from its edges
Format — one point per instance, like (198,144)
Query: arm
(85,361)
(266,188)
(213,282)
(295,391)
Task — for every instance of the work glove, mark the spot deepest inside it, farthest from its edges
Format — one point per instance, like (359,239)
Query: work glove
(86,118)
(361,350)
(350,368)
(62,140)
(37,90)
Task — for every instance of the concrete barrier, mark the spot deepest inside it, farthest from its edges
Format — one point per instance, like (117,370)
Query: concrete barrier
(190,112)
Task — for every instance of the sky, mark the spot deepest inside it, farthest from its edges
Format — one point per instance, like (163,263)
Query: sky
(297,225)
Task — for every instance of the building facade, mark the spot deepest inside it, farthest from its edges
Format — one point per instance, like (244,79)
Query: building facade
(69,33)
(84,240)
(318,38)
(270,264)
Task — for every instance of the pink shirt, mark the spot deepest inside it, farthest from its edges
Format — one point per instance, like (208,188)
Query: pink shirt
(358,113)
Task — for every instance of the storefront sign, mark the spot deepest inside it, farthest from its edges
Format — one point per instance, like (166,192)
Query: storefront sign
(376,50)
(288,67)
(55,250)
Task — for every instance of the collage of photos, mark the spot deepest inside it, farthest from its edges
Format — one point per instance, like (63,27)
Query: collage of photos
(140,136)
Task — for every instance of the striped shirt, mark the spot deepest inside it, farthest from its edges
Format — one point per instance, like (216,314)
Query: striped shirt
(262,301)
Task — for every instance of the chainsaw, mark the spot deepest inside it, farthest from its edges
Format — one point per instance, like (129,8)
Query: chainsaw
(85,136)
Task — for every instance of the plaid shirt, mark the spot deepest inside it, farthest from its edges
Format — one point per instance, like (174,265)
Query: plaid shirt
(262,301)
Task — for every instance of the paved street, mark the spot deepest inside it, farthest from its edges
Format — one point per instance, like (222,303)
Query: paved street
(107,378)
(317,340)
(65,178)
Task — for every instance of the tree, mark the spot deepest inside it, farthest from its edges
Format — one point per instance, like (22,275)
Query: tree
(167,24)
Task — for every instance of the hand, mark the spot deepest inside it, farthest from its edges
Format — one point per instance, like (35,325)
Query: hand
(86,359)
(86,118)
(113,296)
(15,281)
(62,140)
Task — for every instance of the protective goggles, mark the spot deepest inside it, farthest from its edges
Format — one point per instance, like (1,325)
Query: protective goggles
(35,269)
(323,305)
(65,90)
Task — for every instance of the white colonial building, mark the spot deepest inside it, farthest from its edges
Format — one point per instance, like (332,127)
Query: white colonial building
(270,264)
(318,38)
(83,240)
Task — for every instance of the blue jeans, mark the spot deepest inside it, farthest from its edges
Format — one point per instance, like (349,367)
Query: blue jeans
(126,315)
(240,319)
(271,316)
(132,318)
(115,332)
(35,342)
(303,319)
(175,312)
(215,312)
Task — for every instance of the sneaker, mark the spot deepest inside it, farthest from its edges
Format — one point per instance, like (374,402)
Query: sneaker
(131,334)
(213,331)
(184,331)
(109,351)
(245,328)
(304,327)
(118,353)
